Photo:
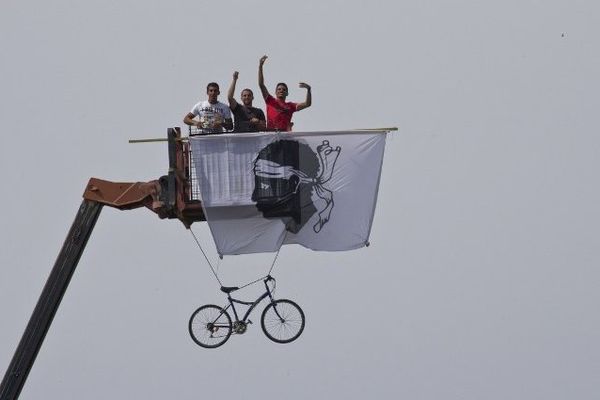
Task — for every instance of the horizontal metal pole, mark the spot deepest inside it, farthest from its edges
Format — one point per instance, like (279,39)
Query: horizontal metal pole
(155,140)
(185,138)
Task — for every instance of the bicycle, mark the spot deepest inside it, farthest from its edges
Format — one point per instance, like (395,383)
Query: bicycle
(282,320)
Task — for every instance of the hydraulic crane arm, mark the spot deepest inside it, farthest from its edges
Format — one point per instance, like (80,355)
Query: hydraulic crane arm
(49,300)
(124,195)
(169,197)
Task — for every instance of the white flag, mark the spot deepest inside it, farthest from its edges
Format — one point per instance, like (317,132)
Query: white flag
(262,190)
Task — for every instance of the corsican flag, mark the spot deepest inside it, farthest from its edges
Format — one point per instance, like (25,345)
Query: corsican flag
(262,190)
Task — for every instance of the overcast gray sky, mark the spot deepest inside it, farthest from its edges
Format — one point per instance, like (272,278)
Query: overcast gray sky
(482,278)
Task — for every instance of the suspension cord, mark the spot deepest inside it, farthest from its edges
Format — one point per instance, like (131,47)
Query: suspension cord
(207,260)
(262,278)
(253,282)
(215,273)
(275,259)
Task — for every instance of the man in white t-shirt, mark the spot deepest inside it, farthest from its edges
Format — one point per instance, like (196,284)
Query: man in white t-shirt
(210,116)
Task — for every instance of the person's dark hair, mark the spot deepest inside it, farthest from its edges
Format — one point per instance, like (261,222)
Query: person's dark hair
(213,84)
(282,84)
(251,92)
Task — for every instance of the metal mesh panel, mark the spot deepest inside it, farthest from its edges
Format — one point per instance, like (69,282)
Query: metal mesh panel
(193,130)
(194,189)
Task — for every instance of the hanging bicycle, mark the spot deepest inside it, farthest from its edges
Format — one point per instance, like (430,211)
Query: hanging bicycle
(282,320)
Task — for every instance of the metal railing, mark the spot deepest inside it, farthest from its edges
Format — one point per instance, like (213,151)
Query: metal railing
(193,188)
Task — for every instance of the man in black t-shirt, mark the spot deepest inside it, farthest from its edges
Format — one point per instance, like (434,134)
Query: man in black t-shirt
(247,118)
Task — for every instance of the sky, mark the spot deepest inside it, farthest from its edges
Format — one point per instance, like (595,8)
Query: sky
(481,278)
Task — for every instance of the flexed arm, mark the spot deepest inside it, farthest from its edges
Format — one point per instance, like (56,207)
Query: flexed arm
(189,120)
(232,103)
(261,78)
(308,102)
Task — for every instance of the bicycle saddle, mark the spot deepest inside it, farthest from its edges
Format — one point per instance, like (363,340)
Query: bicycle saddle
(229,289)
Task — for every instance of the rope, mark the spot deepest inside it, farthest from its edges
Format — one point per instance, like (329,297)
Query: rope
(218,268)
(218,262)
(253,282)
(207,260)
(277,254)
(273,264)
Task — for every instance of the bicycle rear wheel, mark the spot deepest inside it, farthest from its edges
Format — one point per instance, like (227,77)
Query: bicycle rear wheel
(282,321)
(210,326)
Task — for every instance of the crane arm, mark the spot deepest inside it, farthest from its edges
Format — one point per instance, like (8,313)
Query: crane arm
(49,300)
(169,197)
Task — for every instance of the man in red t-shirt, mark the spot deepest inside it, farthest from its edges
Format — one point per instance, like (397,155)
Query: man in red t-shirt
(279,112)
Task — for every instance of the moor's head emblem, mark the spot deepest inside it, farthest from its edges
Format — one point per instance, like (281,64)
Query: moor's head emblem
(287,173)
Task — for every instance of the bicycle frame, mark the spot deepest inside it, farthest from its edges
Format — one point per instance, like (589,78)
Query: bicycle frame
(252,304)
(210,325)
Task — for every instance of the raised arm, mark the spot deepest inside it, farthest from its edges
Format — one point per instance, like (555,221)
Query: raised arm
(308,102)
(232,103)
(261,78)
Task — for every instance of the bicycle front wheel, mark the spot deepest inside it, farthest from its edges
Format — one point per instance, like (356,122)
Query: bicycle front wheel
(210,326)
(282,321)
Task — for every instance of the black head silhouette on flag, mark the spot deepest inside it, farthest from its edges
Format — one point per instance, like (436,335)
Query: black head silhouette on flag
(287,173)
